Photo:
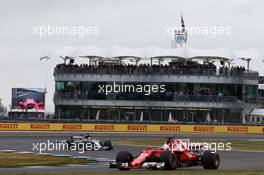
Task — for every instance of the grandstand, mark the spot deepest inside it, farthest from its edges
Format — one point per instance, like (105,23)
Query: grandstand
(187,86)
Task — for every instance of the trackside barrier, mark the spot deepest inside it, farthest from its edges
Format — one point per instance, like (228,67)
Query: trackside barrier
(131,128)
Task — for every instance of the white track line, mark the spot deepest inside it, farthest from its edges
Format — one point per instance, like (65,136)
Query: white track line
(75,165)
(25,152)
(7,150)
(104,159)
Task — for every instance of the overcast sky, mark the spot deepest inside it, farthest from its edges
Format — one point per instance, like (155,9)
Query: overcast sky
(129,23)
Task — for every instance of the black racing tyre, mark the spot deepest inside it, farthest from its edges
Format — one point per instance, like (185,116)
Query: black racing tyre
(69,143)
(124,157)
(210,160)
(109,145)
(80,146)
(85,146)
(170,160)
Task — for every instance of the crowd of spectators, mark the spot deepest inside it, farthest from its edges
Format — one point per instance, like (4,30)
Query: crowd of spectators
(187,68)
(168,96)
(201,92)
(234,70)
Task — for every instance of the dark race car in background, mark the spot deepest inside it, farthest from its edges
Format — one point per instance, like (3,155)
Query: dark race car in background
(88,143)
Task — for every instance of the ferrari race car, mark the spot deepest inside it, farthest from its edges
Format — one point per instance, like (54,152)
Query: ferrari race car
(172,155)
(31,104)
(88,143)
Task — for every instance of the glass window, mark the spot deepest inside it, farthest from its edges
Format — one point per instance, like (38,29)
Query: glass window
(59,85)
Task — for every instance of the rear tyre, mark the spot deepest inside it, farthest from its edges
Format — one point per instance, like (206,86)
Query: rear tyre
(123,157)
(170,160)
(108,144)
(210,161)
(69,143)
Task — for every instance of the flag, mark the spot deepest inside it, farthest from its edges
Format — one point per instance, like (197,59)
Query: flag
(184,31)
(186,36)
(182,24)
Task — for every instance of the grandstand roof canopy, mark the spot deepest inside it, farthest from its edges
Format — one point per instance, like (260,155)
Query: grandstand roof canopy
(152,52)
(122,52)
(256,111)
(89,51)
(59,52)
(222,54)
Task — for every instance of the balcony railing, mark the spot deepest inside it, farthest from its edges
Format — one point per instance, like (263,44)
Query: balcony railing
(158,71)
(176,98)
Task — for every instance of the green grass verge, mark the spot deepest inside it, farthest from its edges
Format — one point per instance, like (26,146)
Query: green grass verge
(236,145)
(248,145)
(10,160)
(176,172)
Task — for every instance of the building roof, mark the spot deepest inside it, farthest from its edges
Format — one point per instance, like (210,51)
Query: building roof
(221,53)
(121,52)
(152,52)
(60,52)
(259,112)
(89,51)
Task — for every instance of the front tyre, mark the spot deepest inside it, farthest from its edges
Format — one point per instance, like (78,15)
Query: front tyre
(69,144)
(123,157)
(108,144)
(210,161)
(170,160)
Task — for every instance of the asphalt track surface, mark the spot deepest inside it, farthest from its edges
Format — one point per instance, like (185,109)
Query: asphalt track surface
(23,142)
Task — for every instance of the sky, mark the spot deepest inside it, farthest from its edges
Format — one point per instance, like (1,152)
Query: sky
(128,23)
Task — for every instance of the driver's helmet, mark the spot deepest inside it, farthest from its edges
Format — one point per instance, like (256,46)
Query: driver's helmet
(87,137)
(177,141)
(169,141)
(179,144)
(168,144)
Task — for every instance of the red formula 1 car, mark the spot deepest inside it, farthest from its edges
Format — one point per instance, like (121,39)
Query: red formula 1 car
(172,155)
(31,104)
